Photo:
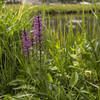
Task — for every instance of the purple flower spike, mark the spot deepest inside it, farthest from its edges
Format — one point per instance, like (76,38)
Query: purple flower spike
(38,36)
(26,42)
(38,28)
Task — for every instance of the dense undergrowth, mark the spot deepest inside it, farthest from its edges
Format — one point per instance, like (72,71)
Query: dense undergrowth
(69,67)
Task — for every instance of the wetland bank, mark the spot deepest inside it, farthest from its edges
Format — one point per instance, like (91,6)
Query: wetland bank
(48,54)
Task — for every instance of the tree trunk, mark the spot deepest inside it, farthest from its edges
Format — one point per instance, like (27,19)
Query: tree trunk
(14,1)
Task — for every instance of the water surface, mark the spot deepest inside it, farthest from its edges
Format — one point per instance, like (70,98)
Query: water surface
(62,23)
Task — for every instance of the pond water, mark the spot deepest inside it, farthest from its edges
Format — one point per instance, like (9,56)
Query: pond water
(62,23)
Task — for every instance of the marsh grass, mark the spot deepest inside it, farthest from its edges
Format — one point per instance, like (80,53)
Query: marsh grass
(70,62)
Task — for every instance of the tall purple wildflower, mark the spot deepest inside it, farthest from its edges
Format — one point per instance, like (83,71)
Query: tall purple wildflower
(26,42)
(38,28)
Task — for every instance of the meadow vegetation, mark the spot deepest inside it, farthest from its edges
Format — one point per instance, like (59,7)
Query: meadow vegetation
(64,66)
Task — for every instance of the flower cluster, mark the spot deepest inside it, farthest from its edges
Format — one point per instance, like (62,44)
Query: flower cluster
(37,36)
(38,28)
(26,42)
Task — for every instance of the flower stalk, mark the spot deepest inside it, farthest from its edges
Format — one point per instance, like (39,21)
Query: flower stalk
(38,36)
(26,43)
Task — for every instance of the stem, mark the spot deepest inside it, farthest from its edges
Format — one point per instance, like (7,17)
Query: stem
(28,58)
(32,47)
(39,39)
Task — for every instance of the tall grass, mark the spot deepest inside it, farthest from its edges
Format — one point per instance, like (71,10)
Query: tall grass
(69,67)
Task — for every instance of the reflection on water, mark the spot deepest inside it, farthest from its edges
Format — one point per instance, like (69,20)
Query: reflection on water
(62,23)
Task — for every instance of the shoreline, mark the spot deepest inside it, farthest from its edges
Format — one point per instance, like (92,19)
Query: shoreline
(61,8)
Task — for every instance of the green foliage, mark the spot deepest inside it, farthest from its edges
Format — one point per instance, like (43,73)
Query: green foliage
(74,79)
(70,67)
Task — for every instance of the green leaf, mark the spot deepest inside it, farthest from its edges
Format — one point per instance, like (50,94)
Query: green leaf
(16,82)
(53,68)
(96,86)
(75,56)
(74,79)
(26,87)
(49,77)
(22,95)
(99,94)
(51,53)
(69,96)
(0,52)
